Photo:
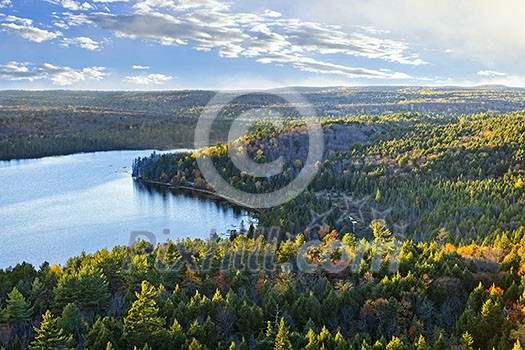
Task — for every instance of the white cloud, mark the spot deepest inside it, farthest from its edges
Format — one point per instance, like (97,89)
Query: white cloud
(486,33)
(68,20)
(271,13)
(19,20)
(311,65)
(67,76)
(150,79)
(139,67)
(73,5)
(147,6)
(491,73)
(211,25)
(58,75)
(5,3)
(25,28)
(82,42)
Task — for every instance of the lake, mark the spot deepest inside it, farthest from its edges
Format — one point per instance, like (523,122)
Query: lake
(55,208)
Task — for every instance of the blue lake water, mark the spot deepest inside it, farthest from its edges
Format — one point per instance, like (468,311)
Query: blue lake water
(57,207)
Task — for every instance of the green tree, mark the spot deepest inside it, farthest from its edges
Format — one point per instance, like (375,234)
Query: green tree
(467,341)
(421,344)
(72,323)
(88,288)
(143,324)
(340,342)
(100,334)
(395,344)
(18,308)
(282,339)
(325,338)
(49,336)
(440,343)
(176,335)
(195,345)
(312,340)
(380,230)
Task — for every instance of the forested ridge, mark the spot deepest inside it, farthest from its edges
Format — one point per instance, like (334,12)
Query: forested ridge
(45,123)
(461,178)
(440,182)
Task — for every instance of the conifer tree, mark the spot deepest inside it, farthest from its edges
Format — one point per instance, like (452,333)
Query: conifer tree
(18,308)
(395,344)
(195,345)
(143,324)
(467,341)
(282,339)
(49,336)
(365,345)
(380,230)
(176,335)
(100,334)
(88,288)
(440,343)
(324,338)
(312,340)
(421,344)
(340,342)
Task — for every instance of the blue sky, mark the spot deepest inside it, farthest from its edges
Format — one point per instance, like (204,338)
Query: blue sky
(213,44)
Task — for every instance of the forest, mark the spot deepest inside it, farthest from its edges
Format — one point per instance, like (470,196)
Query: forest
(421,189)
(45,123)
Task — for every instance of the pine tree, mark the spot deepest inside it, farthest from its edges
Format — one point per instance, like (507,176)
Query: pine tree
(421,344)
(380,230)
(340,342)
(325,338)
(49,336)
(282,339)
(395,344)
(312,340)
(100,334)
(195,345)
(491,322)
(365,346)
(467,341)
(18,308)
(88,288)
(72,323)
(142,324)
(176,335)
(440,343)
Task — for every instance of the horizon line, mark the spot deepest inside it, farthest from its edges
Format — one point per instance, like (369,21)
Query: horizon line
(481,86)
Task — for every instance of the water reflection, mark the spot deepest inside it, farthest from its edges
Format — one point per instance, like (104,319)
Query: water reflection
(54,208)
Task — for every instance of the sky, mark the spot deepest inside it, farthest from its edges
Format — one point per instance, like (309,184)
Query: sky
(247,44)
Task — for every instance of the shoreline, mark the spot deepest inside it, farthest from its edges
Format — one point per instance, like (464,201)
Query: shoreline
(94,150)
(198,190)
